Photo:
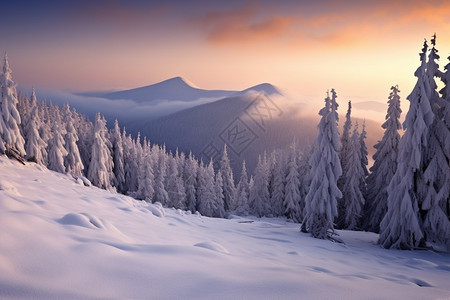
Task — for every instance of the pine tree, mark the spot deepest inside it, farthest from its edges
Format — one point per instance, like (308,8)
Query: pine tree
(175,187)
(346,145)
(219,197)
(10,135)
(72,160)
(35,146)
(279,184)
(56,150)
(259,192)
(100,171)
(352,196)
(364,154)
(161,194)
(146,180)
(242,193)
(444,113)
(206,194)
(401,228)
(190,182)
(292,188)
(385,165)
(229,188)
(321,200)
(436,224)
(130,163)
(118,156)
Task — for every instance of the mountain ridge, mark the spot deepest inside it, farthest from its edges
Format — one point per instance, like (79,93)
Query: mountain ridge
(176,89)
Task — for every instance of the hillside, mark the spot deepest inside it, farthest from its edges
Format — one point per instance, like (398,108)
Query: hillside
(62,240)
(264,123)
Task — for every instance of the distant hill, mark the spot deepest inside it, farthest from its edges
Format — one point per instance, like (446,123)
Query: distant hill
(249,124)
(176,89)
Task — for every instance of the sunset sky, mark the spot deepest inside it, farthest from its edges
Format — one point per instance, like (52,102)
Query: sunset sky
(360,48)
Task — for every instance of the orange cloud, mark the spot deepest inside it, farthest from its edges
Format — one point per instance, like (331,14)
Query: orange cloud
(253,24)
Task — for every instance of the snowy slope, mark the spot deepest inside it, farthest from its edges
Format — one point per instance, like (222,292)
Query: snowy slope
(61,240)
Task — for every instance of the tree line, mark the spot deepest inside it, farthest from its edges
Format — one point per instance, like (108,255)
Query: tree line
(404,197)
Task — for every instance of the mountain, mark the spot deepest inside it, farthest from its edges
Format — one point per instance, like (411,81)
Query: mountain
(249,124)
(176,89)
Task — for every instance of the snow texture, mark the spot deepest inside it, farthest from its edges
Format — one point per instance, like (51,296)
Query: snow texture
(61,240)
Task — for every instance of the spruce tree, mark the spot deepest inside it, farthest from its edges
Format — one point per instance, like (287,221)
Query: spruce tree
(321,200)
(242,193)
(206,194)
(35,146)
(10,135)
(219,196)
(292,188)
(190,182)
(56,150)
(160,169)
(118,156)
(259,192)
(435,192)
(72,160)
(229,188)
(352,196)
(346,145)
(401,226)
(100,171)
(384,166)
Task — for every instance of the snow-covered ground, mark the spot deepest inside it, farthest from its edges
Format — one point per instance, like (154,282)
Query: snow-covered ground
(62,240)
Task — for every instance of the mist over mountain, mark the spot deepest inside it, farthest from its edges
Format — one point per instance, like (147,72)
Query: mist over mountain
(184,117)
(176,89)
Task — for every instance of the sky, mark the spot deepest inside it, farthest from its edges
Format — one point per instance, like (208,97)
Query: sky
(360,48)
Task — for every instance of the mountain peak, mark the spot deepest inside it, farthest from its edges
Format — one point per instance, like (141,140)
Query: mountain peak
(177,81)
(267,88)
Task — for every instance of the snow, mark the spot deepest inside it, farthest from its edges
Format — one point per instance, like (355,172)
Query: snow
(63,240)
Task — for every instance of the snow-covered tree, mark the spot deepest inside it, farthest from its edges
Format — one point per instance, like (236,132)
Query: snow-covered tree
(436,224)
(364,160)
(100,171)
(72,160)
(346,136)
(190,182)
(292,189)
(35,146)
(229,189)
(384,166)
(401,228)
(279,184)
(175,186)
(259,192)
(160,169)
(118,156)
(146,179)
(321,200)
(130,163)
(56,150)
(352,196)
(444,113)
(304,172)
(206,194)
(218,184)
(10,135)
(242,192)
(346,145)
